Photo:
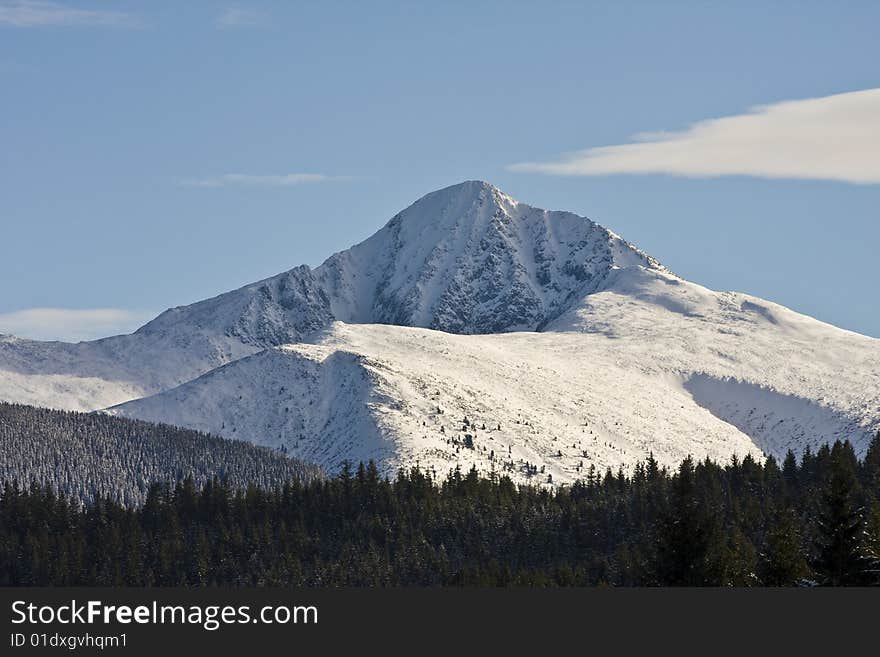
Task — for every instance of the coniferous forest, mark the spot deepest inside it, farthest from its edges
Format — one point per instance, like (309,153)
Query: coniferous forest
(813,520)
(89,455)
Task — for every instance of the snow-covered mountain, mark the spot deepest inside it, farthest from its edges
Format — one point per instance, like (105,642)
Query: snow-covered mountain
(470,310)
(465,259)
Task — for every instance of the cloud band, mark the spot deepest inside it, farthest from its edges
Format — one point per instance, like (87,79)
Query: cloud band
(71,325)
(829,138)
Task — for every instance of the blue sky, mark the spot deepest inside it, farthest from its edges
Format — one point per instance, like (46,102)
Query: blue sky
(156,153)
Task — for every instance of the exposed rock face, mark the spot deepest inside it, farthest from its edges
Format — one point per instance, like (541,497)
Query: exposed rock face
(469,259)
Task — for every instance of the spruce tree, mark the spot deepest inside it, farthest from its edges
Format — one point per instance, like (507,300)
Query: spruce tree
(684,534)
(842,559)
(784,562)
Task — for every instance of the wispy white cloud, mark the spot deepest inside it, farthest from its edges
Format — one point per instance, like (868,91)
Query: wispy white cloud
(71,325)
(236,17)
(42,13)
(829,138)
(282,180)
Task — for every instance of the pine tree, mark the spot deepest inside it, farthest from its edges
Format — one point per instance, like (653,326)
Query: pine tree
(739,562)
(842,559)
(784,561)
(685,534)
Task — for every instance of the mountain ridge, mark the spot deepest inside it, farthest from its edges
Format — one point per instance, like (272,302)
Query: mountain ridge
(464,259)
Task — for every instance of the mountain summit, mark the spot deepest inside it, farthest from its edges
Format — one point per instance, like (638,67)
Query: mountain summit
(465,259)
(475,330)
(470,259)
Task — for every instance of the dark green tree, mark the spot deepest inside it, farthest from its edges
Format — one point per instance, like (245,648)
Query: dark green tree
(842,558)
(685,534)
(785,562)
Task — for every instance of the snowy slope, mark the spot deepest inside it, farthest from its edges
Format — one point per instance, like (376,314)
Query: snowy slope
(584,349)
(91,375)
(401,395)
(695,375)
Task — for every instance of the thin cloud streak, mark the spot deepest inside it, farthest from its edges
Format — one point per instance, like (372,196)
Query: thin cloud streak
(233,17)
(72,325)
(39,13)
(833,138)
(246,179)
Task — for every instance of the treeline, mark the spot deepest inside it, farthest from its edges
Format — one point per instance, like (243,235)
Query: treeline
(86,456)
(746,523)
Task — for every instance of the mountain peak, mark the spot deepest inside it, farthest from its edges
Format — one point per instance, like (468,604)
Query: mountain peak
(473,187)
(465,259)
(466,194)
(470,259)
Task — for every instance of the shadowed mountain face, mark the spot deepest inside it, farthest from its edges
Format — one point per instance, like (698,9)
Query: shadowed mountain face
(275,311)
